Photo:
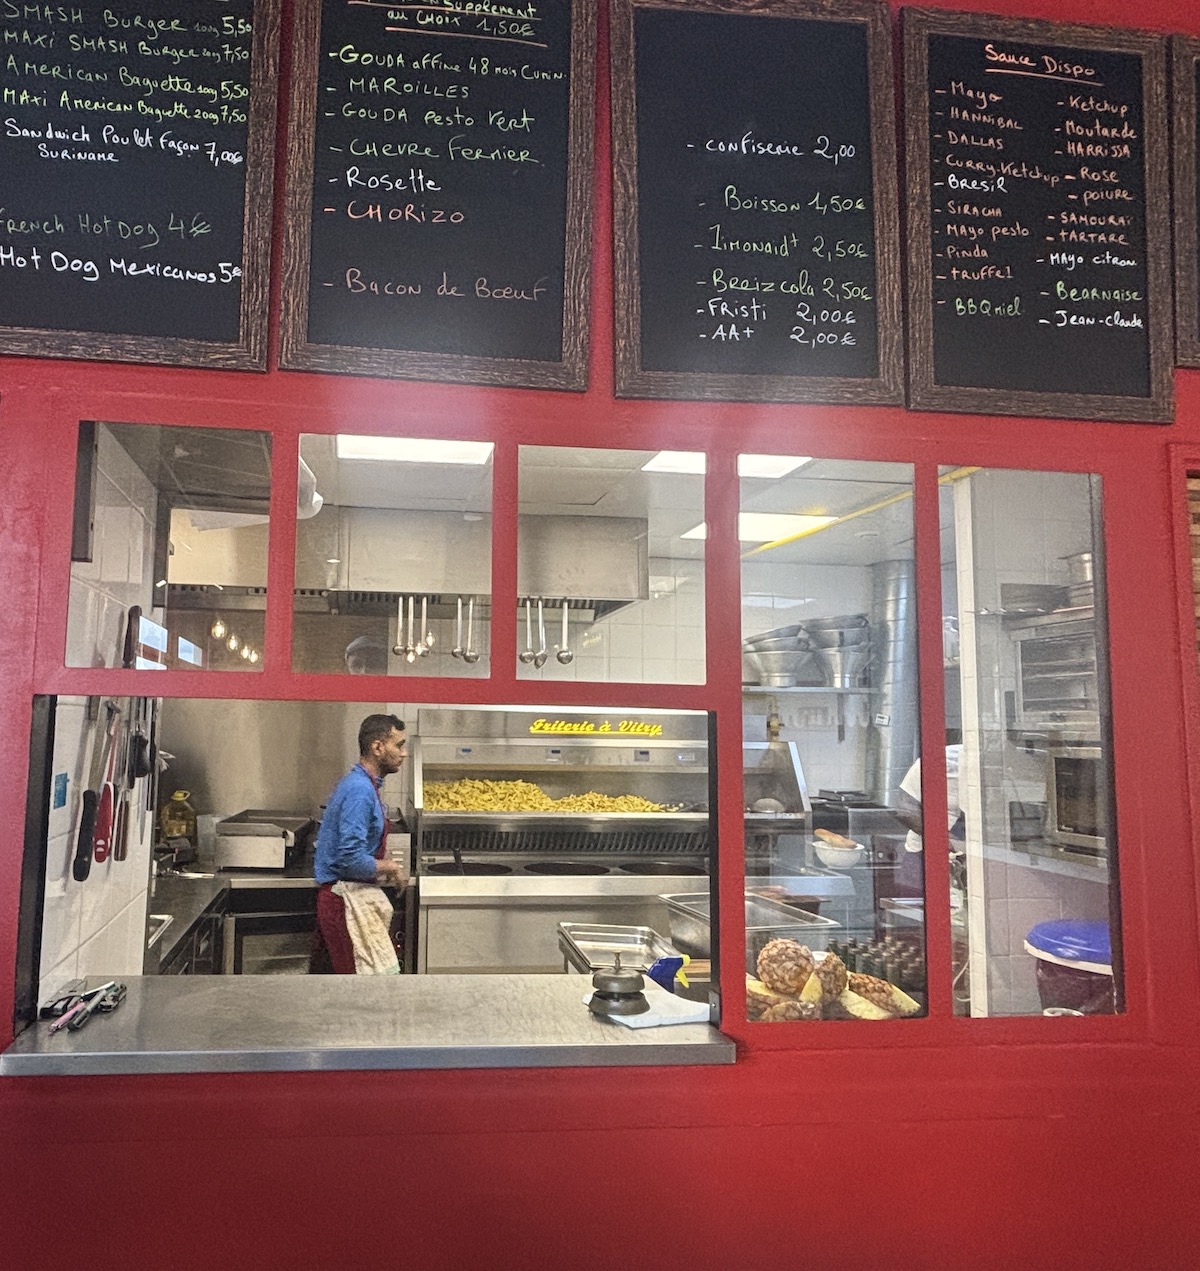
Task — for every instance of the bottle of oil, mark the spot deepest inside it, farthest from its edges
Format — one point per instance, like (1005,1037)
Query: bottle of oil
(178,818)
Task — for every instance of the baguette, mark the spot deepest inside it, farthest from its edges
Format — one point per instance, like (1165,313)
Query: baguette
(835,840)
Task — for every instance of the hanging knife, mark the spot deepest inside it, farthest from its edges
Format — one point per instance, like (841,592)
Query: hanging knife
(81,866)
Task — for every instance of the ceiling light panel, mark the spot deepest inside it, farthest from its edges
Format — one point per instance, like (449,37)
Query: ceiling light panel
(413,449)
(770,467)
(768,527)
(687,462)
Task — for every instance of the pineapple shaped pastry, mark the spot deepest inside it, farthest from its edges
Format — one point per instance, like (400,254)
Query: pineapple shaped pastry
(785,965)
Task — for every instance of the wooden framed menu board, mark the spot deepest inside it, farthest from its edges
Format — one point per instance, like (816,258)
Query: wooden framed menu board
(136,163)
(756,248)
(439,191)
(1039,218)
(1185,96)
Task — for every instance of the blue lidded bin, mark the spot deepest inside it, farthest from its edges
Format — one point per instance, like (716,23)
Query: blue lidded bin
(1074,965)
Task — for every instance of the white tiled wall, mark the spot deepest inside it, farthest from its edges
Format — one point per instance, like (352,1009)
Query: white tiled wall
(97,927)
(1018,898)
(655,641)
(780,595)
(120,572)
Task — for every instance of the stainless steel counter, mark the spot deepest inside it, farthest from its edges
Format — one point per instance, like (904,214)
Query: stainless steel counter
(453,889)
(237,881)
(328,1023)
(186,895)
(185,899)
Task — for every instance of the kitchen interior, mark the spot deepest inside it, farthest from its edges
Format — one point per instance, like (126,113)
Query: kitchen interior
(829,614)
(550,839)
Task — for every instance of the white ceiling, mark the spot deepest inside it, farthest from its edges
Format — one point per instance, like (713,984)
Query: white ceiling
(610,483)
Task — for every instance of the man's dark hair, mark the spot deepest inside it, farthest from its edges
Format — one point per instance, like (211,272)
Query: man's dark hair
(377,728)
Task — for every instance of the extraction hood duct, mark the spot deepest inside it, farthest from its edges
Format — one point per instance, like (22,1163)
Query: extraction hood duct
(893,742)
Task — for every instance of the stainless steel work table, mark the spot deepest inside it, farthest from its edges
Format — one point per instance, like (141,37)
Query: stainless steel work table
(328,1023)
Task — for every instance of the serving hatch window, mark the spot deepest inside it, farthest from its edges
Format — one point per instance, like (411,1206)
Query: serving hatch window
(169,547)
(610,566)
(1035,900)
(834,889)
(393,556)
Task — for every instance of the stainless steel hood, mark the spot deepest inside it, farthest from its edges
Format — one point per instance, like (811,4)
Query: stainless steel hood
(358,560)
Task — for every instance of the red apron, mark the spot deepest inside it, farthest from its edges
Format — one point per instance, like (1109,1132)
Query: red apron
(332,950)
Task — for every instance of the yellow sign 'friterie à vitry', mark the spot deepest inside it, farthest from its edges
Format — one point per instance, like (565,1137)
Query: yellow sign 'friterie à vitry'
(561,727)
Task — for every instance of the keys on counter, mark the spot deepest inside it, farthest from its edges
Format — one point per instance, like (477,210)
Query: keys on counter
(75,1008)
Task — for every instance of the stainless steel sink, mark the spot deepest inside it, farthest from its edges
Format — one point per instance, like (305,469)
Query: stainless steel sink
(156,925)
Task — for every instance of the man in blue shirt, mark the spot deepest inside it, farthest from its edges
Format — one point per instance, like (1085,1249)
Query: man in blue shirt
(352,843)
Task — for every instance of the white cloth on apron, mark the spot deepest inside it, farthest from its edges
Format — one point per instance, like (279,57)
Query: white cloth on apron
(368,920)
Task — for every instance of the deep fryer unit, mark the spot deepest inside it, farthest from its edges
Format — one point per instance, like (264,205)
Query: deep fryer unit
(660,755)
(494,885)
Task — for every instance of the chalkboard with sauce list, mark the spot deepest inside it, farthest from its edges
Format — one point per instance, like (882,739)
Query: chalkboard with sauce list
(756,247)
(136,164)
(1039,219)
(1185,134)
(439,191)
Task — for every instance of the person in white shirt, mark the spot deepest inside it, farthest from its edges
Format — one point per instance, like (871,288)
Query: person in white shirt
(911,870)
(909,809)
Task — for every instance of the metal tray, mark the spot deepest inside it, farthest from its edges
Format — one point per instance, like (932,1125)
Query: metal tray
(589,946)
(691,918)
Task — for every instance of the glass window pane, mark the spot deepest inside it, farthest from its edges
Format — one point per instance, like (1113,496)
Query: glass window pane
(835,919)
(610,570)
(393,556)
(177,550)
(1034,886)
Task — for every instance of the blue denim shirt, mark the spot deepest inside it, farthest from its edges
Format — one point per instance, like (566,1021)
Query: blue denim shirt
(351,830)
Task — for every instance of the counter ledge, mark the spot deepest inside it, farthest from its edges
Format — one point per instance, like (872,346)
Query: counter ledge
(329,1023)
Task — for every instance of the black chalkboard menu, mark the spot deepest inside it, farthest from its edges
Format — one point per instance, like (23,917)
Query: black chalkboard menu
(756,249)
(1185,135)
(439,191)
(1039,218)
(136,162)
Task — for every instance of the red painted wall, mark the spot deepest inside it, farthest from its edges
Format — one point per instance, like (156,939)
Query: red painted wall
(937,1143)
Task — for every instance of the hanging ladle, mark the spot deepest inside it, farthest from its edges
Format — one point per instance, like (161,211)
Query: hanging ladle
(527,654)
(426,641)
(457,651)
(410,648)
(470,655)
(539,658)
(398,647)
(564,654)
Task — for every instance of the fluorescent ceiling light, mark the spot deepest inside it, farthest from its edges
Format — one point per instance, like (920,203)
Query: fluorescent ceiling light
(412,449)
(693,463)
(768,527)
(770,466)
